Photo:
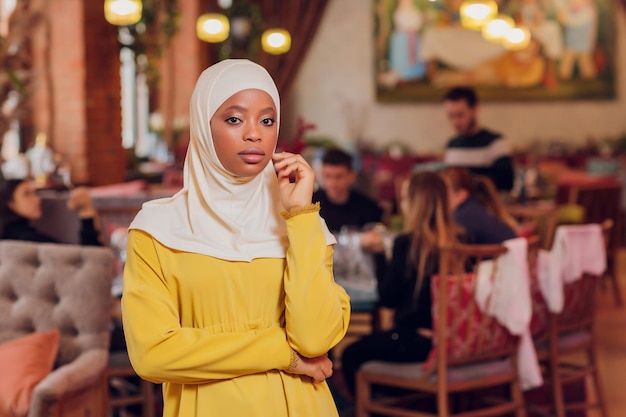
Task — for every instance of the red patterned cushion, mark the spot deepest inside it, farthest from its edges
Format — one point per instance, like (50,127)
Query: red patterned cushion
(471,333)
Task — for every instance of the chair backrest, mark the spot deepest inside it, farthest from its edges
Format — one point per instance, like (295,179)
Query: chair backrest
(56,286)
(579,297)
(466,333)
(601,201)
(539,322)
(540,220)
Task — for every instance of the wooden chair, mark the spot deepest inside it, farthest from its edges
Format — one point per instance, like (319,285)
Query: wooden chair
(600,201)
(540,219)
(471,351)
(558,336)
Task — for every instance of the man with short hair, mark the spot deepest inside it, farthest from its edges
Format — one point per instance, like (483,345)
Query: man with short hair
(480,150)
(340,204)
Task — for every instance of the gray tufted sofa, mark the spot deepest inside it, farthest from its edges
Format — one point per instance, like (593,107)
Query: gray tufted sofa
(47,286)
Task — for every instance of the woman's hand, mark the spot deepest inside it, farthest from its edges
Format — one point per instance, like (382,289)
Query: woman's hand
(318,368)
(295,179)
(80,201)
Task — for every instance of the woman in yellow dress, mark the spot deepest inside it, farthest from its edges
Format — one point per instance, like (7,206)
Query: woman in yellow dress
(229,298)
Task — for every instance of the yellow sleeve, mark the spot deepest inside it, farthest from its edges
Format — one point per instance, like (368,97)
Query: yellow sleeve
(317,310)
(163,351)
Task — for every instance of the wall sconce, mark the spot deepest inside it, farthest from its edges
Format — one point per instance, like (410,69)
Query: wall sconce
(123,12)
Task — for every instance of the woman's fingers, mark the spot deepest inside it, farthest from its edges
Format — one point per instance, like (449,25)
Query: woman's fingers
(287,164)
(318,369)
(295,178)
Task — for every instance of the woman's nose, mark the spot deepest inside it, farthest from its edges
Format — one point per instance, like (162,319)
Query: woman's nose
(253,133)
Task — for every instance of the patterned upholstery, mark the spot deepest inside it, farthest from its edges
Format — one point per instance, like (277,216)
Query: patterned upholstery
(471,334)
(578,301)
(47,286)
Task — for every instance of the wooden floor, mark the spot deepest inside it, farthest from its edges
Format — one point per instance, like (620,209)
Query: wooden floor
(611,342)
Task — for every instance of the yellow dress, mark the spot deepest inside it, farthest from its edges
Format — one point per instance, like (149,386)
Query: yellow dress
(219,334)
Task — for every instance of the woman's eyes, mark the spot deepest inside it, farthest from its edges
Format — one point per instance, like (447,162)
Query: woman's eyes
(268,121)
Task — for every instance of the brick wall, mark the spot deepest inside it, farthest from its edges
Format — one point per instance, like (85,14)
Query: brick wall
(103,141)
(77,92)
(76,100)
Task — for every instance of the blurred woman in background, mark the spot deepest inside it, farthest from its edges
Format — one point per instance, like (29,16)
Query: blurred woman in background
(20,205)
(477,207)
(405,288)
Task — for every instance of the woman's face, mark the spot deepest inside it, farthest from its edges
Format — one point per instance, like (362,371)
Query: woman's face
(26,203)
(245,132)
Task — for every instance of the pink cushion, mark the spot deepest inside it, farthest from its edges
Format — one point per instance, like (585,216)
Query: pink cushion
(25,362)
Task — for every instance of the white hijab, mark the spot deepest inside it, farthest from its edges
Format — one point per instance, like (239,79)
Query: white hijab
(217,213)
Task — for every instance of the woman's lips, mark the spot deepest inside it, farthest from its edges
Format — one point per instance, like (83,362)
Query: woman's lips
(252,155)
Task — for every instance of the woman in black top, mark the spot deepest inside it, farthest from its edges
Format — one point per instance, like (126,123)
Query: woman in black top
(20,204)
(406,284)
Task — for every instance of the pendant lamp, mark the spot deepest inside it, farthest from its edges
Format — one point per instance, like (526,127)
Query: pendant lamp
(122,12)
(212,27)
(276,41)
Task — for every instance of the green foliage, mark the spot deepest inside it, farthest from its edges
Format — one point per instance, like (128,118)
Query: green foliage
(159,23)
(247,47)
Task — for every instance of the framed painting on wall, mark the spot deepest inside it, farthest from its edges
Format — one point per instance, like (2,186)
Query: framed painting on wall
(421,50)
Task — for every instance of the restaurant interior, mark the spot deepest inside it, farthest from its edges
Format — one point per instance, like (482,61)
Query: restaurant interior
(95,95)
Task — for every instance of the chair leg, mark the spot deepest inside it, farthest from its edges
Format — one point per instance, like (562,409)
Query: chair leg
(147,389)
(612,274)
(518,398)
(591,357)
(363,396)
(443,405)
(616,290)
(557,389)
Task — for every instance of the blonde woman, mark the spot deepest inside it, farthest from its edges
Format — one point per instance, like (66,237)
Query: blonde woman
(406,286)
